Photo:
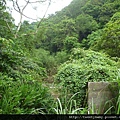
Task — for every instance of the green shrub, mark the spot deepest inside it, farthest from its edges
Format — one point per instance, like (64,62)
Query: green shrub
(44,59)
(24,98)
(16,64)
(20,90)
(85,66)
(71,42)
(61,57)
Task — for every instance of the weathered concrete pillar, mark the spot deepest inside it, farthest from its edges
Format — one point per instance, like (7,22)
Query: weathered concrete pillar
(102,96)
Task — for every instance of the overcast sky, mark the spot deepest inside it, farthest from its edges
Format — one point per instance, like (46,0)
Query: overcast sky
(57,5)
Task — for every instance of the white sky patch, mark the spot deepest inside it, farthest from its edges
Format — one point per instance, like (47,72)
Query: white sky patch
(37,11)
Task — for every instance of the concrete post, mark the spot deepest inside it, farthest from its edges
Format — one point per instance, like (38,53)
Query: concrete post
(102,96)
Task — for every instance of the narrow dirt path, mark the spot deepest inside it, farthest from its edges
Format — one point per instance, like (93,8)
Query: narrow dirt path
(54,90)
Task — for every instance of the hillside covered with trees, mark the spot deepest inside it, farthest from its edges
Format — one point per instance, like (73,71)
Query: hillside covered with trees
(78,44)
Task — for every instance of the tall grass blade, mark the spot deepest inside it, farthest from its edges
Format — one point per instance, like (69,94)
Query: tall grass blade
(108,110)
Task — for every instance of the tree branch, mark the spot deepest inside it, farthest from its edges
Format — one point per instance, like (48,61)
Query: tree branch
(43,16)
(23,14)
(27,2)
(36,1)
(21,10)
(8,26)
(17,5)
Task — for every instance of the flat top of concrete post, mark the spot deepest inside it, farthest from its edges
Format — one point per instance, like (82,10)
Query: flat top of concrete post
(104,83)
(101,85)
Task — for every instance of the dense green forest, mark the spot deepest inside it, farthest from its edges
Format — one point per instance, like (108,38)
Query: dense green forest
(57,56)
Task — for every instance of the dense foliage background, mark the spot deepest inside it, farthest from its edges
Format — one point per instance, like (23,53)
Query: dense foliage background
(78,44)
